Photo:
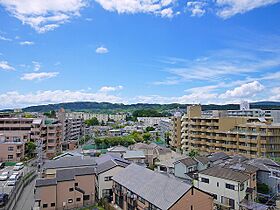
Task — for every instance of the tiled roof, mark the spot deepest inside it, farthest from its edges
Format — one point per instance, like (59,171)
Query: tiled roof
(45,182)
(204,160)
(133,154)
(218,156)
(111,164)
(226,173)
(160,190)
(187,161)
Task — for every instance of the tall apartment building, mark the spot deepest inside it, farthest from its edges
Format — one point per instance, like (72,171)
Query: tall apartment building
(249,136)
(72,126)
(176,130)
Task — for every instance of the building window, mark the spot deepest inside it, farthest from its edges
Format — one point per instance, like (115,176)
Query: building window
(70,200)
(71,189)
(10,157)
(192,191)
(215,196)
(10,148)
(45,205)
(218,184)
(242,187)
(86,197)
(78,199)
(52,204)
(76,184)
(229,186)
(152,207)
(205,180)
(142,200)
(108,178)
(191,207)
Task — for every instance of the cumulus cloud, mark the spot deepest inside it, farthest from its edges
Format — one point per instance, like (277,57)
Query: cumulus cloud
(110,88)
(6,66)
(197,8)
(158,7)
(39,76)
(16,99)
(26,43)
(245,90)
(44,15)
(101,50)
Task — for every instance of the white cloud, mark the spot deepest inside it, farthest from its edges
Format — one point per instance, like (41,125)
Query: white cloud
(37,65)
(44,15)
(110,88)
(16,99)
(26,43)
(229,8)
(101,50)
(158,7)
(5,38)
(197,8)
(245,90)
(39,76)
(6,66)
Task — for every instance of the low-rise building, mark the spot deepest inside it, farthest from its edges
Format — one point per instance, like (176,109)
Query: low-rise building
(135,156)
(139,188)
(12,149)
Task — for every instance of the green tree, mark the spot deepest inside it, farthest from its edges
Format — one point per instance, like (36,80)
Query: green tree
(136,136)
(147,137)
(193,153)
(30,148)
(91,122)
(150,128)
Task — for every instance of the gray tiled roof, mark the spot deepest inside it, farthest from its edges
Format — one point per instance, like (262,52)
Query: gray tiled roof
(133,154)
(204,160)
(218,156)
(160,190)
(187,161)
(69,174)
(226,173)
(45,182)
(111,164)
(68,162)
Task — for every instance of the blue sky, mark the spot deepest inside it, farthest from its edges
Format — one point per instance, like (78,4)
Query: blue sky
(151,51)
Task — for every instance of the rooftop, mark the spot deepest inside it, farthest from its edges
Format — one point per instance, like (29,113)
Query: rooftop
(133,154)
(148,184)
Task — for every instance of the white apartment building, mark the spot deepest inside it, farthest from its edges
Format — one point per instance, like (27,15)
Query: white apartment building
(151,121)
(100,117)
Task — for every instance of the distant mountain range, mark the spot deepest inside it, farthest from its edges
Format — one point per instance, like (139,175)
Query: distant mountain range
(112,107)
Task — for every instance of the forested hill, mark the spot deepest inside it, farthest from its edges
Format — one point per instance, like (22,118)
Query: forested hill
(112,107)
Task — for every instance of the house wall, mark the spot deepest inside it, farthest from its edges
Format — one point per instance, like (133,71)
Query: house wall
(220,189)
(47,195)
(102,184)
(194,199)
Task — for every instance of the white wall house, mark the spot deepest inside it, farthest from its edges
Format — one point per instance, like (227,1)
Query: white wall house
(227,186)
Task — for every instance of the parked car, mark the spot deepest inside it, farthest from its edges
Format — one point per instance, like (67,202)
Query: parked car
(18,174)
(12,180)
(18,166)
(2,165)
(4,176)
(3,199)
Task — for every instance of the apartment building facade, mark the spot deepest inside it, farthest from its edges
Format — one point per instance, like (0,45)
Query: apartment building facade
(175,138)
(11,149)
(139,188)
(251,137)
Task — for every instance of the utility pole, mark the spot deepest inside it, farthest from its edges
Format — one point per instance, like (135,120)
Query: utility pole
(39,144)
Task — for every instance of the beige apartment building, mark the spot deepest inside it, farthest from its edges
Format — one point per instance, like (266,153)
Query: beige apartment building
(11,149)
(249,136)
(176,131)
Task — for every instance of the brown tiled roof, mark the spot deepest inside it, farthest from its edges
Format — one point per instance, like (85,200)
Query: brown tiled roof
(187,161)
(204,160)
(226,173)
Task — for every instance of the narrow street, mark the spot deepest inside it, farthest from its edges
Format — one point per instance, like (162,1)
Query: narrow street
(27,198)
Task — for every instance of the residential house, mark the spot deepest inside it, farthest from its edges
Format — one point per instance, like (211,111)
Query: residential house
(135,156)
(137,187)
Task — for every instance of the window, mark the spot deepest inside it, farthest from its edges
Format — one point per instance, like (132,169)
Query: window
(205,180)
(218,184)
(45,205)
(142,200)
(192,191)
(191,207)
(71,189)
(76,184)
(10,148)
(86,197)
(108,178)
(152,207)
(231,203)
(242,187)
(215,196)
(78,199)
(107,193)
(10,157)
(52,204)
(229,186)
(70,200)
